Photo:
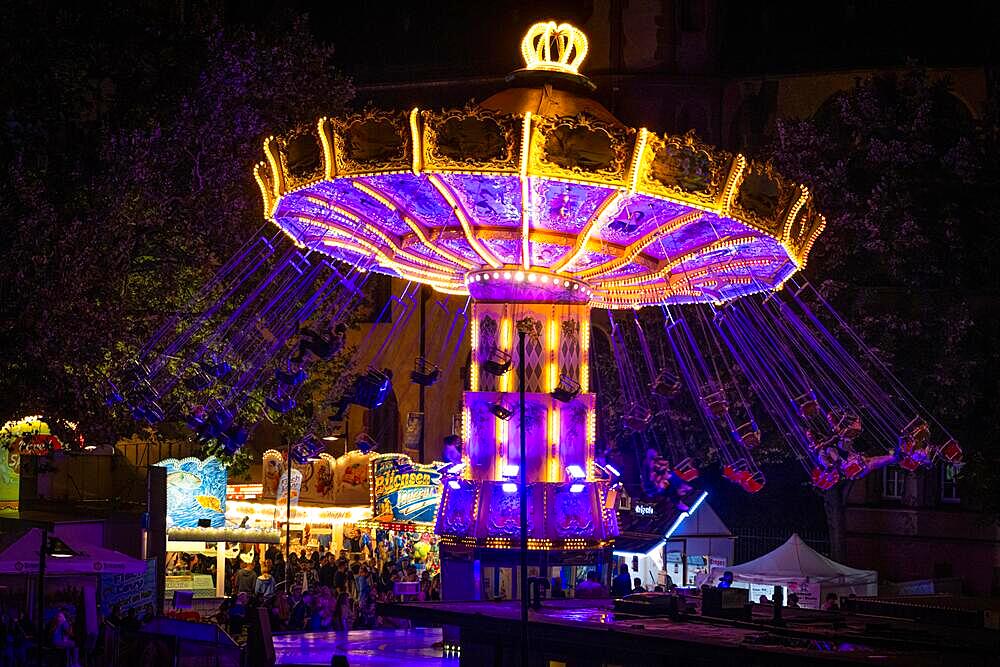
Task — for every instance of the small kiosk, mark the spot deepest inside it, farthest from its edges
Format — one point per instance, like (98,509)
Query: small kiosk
(660,539)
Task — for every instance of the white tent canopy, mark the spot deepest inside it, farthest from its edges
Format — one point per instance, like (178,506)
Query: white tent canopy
(21,557)
(801,569)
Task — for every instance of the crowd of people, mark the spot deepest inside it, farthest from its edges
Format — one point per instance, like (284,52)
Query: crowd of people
(322,591)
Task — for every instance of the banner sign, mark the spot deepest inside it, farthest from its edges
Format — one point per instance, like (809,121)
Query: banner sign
(196,490)
(129,591)
(282,498)
(404,491)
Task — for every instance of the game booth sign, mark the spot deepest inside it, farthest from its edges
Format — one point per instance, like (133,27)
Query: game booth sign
(404,498)
(28,436)
(197,527)
(321,499)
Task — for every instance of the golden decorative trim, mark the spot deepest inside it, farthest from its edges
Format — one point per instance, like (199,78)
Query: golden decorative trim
(433,159)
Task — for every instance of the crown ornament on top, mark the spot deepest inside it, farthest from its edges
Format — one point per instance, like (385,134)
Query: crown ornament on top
(555,48)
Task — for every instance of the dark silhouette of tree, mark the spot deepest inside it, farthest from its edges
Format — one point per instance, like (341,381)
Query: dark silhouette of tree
(908,182)
(128,146)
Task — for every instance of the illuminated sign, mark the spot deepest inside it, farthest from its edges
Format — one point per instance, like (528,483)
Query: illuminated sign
(196,491)
(243,491)
(39,444)
(403,490)
(644,510)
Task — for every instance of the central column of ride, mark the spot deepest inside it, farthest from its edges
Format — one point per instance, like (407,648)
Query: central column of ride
(570,500)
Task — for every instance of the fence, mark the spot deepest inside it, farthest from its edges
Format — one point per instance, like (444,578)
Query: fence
(755,542)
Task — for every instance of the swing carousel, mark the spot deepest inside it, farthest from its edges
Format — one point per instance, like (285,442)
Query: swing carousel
(538,205)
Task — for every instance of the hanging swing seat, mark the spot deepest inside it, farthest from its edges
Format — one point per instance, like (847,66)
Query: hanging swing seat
(198,382)
(808,405)
(637,418)
(686,470)
(365,443)
(736,472)
(498,362)
(216,369)
(854,466)
(914,436)
(825,478)
(846,425)
(233,439)
(748,434)
(951,451)
(150,412)
(280,404)
(424,373)
(753,482)
(566,390)
(666,384)
(716,402)
(372,388)
(290,379)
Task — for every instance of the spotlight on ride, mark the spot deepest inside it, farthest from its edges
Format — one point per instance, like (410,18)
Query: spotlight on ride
(566,390)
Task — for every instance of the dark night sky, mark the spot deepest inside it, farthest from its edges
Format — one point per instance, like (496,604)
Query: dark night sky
(459,36)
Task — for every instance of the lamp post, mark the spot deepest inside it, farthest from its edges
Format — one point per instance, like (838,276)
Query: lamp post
(288,513)
(523,495)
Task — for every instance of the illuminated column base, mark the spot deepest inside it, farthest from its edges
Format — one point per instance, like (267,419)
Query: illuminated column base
(565,515)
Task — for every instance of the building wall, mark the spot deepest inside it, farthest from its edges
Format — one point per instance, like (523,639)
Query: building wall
(919,536)
(443,400)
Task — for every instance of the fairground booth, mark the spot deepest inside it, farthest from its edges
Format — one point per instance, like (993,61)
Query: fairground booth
(213,526)
(404,501)
(798,568)
(666,541)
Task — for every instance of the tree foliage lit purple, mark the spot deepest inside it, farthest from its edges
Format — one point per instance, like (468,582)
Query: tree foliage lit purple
(128,162)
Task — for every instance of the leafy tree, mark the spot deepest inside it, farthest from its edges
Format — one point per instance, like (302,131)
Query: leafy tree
(908,183)
(128,150)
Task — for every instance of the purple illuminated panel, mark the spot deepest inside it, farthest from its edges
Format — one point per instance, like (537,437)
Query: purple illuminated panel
(565,207)
(492,201)
(416,196)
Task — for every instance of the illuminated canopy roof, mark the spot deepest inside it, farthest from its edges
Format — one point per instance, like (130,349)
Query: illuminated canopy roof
(540,186)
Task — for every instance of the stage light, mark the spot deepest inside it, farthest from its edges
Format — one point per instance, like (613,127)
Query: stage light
(566,390)
(575,472)
(509,487)
(456,468)
(453,484)
(576,488)
(500,411)
(613,470)
(58,549)
(498,362)
(511,470)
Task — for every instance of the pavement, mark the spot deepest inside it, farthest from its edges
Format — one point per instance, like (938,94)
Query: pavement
(808,635)
(370,648)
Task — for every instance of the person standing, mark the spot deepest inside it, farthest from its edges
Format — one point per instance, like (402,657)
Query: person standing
(245,579)
(264,586)
(621,585)
(591,587)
